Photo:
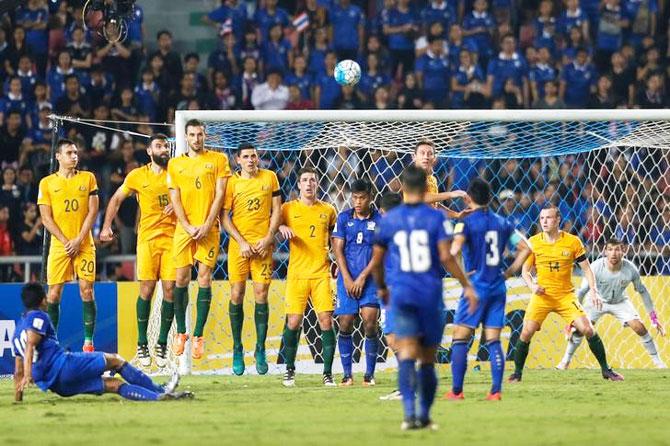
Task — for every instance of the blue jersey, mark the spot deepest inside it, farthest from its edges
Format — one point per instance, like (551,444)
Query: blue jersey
(358,236)
(411,233)
(345,23)
(49,356)
(578,79)
(486,235)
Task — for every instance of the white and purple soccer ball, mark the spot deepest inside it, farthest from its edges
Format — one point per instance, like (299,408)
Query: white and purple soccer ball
(347,72)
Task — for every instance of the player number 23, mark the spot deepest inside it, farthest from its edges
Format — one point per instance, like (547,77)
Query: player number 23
(414,250)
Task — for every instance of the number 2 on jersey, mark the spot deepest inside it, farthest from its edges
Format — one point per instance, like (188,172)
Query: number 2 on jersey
(414,250)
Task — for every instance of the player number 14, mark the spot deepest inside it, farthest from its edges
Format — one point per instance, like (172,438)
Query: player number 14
(414,250)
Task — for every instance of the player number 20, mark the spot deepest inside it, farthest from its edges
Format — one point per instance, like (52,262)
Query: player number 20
(71,205)
(493,253)
(414,250)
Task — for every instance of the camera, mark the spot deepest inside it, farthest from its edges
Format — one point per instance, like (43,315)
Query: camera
(109,18)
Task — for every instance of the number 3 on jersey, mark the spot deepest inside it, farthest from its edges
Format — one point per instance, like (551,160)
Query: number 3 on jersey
(493,252)
(414,250)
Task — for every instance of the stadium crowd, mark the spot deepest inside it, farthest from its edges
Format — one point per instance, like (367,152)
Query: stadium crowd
(281,55)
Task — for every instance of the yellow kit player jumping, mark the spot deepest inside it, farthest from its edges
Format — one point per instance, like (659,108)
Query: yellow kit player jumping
(251,215)
(68,201)
(307,224)
(554,253)
(197,182)
(154,243)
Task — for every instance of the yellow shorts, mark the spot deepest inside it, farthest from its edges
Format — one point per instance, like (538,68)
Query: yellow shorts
(298,291)
(567,306)
(155,260)
(239,267)
(62,268)
(187,251)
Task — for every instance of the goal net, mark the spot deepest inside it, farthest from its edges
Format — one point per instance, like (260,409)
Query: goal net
(608,171)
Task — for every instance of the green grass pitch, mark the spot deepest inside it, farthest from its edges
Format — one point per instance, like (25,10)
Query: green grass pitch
(576,407)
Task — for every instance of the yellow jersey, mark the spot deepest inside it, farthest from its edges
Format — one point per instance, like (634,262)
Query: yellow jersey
(196,178)
(431,183)
(152,195)
(68,198)
(311,226)
(250,200)
(554,261)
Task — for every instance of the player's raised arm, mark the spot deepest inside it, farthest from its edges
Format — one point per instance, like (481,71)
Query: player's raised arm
(113,206)
(18,378)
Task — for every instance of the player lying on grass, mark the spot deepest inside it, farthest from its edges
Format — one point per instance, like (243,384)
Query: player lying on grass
(613,274)
(554,253)
(41,359)
(356,292)
(420,237)
(483,236)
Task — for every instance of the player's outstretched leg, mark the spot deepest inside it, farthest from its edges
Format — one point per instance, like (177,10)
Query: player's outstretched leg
(584,326)
(574,341)
(647,342)
(138,386)
(236,313)
(370,316)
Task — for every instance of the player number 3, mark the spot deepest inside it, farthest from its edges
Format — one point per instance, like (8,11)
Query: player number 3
(414,250)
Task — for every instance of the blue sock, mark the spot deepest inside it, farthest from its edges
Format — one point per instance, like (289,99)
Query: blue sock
(407,386)
(371,345)
(497,359)
(459,364)
(136,377)
(346,346)
(137,393)
(427,388)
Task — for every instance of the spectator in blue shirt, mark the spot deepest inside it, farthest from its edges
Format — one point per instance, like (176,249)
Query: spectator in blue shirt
(34,17)
(147,94)
(468,84)
(317,53)
(542,72)
(509,64)
(271,15)
(225,57)
(577,81)
(438,11)
(643,17)
(456,43)
(248,47)
(81,54)
(135,27)
(57,75)
(432,70)
(191,64)
(545,26)
(247,81)
(400,28)
(610,33)
(347,29)
(39,99)
(14,100)
(300,78)
(372,78)
(573,16)
(27,75)
(575,40)
(231,14)
(327,91)
(478,27)
(276,51)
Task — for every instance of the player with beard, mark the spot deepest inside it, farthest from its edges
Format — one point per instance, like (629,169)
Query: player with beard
(154,243)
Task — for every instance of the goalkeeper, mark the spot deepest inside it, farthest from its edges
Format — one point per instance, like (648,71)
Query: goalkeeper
(613,274)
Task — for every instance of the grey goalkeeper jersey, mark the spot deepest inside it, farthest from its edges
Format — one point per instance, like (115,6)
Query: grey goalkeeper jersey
(612,284)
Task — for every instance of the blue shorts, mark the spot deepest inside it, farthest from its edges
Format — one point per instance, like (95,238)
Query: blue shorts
(490,312)
(425,322)
(81,373)
(349,305)
(388,319)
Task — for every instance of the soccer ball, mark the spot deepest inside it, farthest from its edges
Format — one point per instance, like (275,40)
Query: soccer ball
(347,72)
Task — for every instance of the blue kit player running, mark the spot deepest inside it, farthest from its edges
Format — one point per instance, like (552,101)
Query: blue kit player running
(483,236)
(356,292)
(420,237)
(41,359)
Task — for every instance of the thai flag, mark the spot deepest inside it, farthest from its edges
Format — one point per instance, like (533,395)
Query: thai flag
(226,27)
(301,22)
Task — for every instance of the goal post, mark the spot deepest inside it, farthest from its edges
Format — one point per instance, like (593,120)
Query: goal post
(608,171)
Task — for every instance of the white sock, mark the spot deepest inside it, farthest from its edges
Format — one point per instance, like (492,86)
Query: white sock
(573,343)
(649,345)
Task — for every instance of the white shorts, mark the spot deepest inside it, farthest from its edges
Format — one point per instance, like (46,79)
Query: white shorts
(623,311)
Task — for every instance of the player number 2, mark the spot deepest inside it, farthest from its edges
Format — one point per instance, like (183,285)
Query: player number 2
(493,253)
(71,205)
(312,228)
(414,250)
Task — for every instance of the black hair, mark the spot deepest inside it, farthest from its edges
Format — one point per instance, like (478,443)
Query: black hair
(244,146)
(32,295)
(361,185)
(480,191)
(160,33)
(614,242)
(414,179)
(193,123)
(157,137)
(551,205)
(70,76)
(64,142)
(191,56)
(390,200)
(307,169)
